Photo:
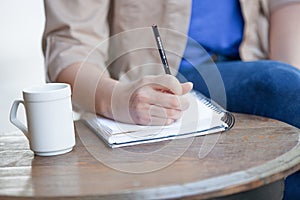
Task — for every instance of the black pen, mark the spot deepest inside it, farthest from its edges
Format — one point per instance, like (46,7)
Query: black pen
(161,50)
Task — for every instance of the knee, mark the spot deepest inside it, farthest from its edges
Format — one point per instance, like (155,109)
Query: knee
(276,78)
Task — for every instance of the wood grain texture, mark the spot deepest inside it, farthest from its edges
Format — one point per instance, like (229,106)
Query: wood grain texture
(257,151)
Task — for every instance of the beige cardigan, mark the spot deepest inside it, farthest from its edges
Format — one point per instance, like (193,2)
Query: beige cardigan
(116,35)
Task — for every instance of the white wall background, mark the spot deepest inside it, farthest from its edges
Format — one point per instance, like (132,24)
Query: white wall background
(21,59)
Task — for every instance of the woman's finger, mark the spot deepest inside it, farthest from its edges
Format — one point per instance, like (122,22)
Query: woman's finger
(165,113)
(186,87)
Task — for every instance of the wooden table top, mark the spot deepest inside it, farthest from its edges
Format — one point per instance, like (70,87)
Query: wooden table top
(257,151)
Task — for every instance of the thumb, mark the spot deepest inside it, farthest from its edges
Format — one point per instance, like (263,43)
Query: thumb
(186,87)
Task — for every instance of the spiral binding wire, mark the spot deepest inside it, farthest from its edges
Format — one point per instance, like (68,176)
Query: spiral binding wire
(228,117)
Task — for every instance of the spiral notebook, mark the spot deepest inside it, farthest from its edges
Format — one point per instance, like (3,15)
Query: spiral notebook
(201,118)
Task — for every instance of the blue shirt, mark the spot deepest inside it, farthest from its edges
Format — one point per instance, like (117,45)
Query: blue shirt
(217,25)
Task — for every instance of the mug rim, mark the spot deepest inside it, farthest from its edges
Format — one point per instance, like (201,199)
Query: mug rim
(38,88)
(46,92)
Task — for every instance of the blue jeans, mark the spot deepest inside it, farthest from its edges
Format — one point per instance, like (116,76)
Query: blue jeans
(264,88)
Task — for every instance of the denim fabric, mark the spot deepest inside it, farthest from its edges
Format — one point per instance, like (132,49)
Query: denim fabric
(265,88)
(292,187)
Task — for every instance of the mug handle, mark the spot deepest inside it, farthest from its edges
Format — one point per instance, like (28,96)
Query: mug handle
(13,117)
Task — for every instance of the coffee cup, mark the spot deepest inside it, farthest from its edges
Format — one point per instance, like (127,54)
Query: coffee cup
(50,127)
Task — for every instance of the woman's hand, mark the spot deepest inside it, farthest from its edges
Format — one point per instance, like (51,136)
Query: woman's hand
(152,100)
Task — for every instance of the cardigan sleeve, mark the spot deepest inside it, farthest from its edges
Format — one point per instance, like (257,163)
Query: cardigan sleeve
(76,31)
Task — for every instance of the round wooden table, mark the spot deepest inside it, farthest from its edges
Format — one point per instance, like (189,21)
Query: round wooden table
(256,152)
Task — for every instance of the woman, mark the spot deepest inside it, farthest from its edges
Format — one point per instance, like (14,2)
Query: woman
(106,51)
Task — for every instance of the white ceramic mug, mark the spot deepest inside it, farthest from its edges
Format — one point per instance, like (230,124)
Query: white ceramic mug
(50,127)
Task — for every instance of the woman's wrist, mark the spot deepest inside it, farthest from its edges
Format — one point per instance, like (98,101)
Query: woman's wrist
(103,96)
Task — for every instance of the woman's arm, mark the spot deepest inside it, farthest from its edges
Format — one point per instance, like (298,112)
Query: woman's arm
(285,34)
(73,29)
(151,100)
